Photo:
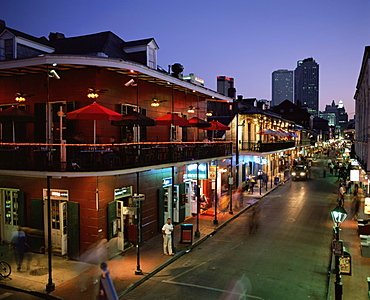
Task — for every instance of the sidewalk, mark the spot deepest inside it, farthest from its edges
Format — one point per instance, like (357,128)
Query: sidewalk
(74,279)
(354,286)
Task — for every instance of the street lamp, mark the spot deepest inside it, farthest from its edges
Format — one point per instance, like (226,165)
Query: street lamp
(338,215)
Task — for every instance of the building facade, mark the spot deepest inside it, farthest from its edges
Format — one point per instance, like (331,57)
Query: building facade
(100,178)
(362,112)
(306,84)
(282,86)
(225,86)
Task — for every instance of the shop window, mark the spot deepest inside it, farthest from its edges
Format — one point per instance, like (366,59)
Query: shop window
(11,207)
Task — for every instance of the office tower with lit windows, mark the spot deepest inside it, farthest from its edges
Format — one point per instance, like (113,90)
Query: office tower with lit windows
(306,84)
(282,86)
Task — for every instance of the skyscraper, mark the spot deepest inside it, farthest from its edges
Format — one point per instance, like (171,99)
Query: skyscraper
(306,84)
(282,86)
(225,86)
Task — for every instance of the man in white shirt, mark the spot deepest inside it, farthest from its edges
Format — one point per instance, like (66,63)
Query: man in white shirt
(167,237)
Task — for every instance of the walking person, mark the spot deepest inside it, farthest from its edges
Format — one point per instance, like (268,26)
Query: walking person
(355,206)
(342,191)
(19,245)
(167,237)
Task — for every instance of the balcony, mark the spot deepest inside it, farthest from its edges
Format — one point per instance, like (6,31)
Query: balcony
(105,157)
(266,147)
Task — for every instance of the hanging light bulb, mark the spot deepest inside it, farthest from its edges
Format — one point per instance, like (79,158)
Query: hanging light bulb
(20,99)
(92,95)
(209,113)
(191,109)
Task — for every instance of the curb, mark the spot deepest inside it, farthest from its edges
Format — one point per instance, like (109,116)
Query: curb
(33,293)
(187,250)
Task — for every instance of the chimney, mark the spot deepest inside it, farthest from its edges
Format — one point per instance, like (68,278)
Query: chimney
(2,25)
(53,36)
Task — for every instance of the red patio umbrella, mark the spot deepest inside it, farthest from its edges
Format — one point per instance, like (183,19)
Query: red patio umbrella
(172,119)
(94,112)
(196,122)
(13,114)
(216,125)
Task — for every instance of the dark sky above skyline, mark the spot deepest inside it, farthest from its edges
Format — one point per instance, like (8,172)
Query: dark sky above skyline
(243,39)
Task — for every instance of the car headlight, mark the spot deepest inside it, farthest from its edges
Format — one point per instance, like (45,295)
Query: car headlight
(302,174)
(294,173)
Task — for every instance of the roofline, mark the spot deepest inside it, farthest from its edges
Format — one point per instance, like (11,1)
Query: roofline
(361,75)
(115,63)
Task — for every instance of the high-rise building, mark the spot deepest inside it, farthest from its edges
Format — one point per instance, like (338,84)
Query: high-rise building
(282,86)
(306,84)
(225,86)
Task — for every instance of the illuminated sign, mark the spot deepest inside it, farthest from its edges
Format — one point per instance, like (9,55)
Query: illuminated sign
(191,171)
(56,194)
(260,160)
(167,181)
(123,192)
(354,175)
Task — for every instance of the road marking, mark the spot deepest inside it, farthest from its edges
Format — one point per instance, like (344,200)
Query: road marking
(211,289)
(5,295)
(189,270)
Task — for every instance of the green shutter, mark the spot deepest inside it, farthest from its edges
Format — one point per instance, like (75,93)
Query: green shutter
(21,209)
(73,230)
(160,209)
(181,199)
(111,218)
(37,222)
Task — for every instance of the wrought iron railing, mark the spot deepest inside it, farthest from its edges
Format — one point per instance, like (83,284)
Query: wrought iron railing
(102,157)
(267,147)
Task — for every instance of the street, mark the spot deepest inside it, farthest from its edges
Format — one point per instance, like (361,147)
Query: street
(277,250)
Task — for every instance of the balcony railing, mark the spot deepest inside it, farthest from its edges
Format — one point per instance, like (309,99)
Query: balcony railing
(267,147)
(103,157)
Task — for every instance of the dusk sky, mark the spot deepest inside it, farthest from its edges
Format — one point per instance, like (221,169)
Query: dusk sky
(243,39)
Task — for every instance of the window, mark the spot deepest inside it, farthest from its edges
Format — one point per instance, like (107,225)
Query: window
(151,58)
(8,49)
(25,51)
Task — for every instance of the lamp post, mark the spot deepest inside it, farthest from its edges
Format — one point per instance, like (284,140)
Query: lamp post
(197,232)
(338,215)
(138,199)
(215,221)
(50,286)
(231,181)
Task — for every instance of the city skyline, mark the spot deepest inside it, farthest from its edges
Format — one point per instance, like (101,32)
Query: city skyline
(246,40)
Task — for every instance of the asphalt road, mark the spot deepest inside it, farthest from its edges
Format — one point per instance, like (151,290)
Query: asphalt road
(283,254)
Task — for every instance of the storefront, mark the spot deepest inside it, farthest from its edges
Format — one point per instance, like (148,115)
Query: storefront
(122,214)
(12,212)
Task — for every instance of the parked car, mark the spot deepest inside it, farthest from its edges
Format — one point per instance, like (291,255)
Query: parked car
(300,172)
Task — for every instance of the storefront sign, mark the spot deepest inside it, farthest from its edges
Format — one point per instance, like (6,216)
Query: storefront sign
(191,171)
(56,194)
(212,172)
(167,181)
(354,175)
(367,206)
(123,192)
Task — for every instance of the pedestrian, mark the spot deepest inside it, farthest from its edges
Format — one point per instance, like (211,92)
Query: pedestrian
(355,206)
(324,172)
(342,191)
(19,245)
(167,230)
(348,186)
(329,162)
(331,167)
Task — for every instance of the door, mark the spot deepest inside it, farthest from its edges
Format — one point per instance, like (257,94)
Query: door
(58,225)
(12,211)
(120,226)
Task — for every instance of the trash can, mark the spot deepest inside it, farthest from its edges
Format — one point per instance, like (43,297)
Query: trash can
(186,234)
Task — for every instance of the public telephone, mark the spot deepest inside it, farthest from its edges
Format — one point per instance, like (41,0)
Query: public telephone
(169,205)
(126,216)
